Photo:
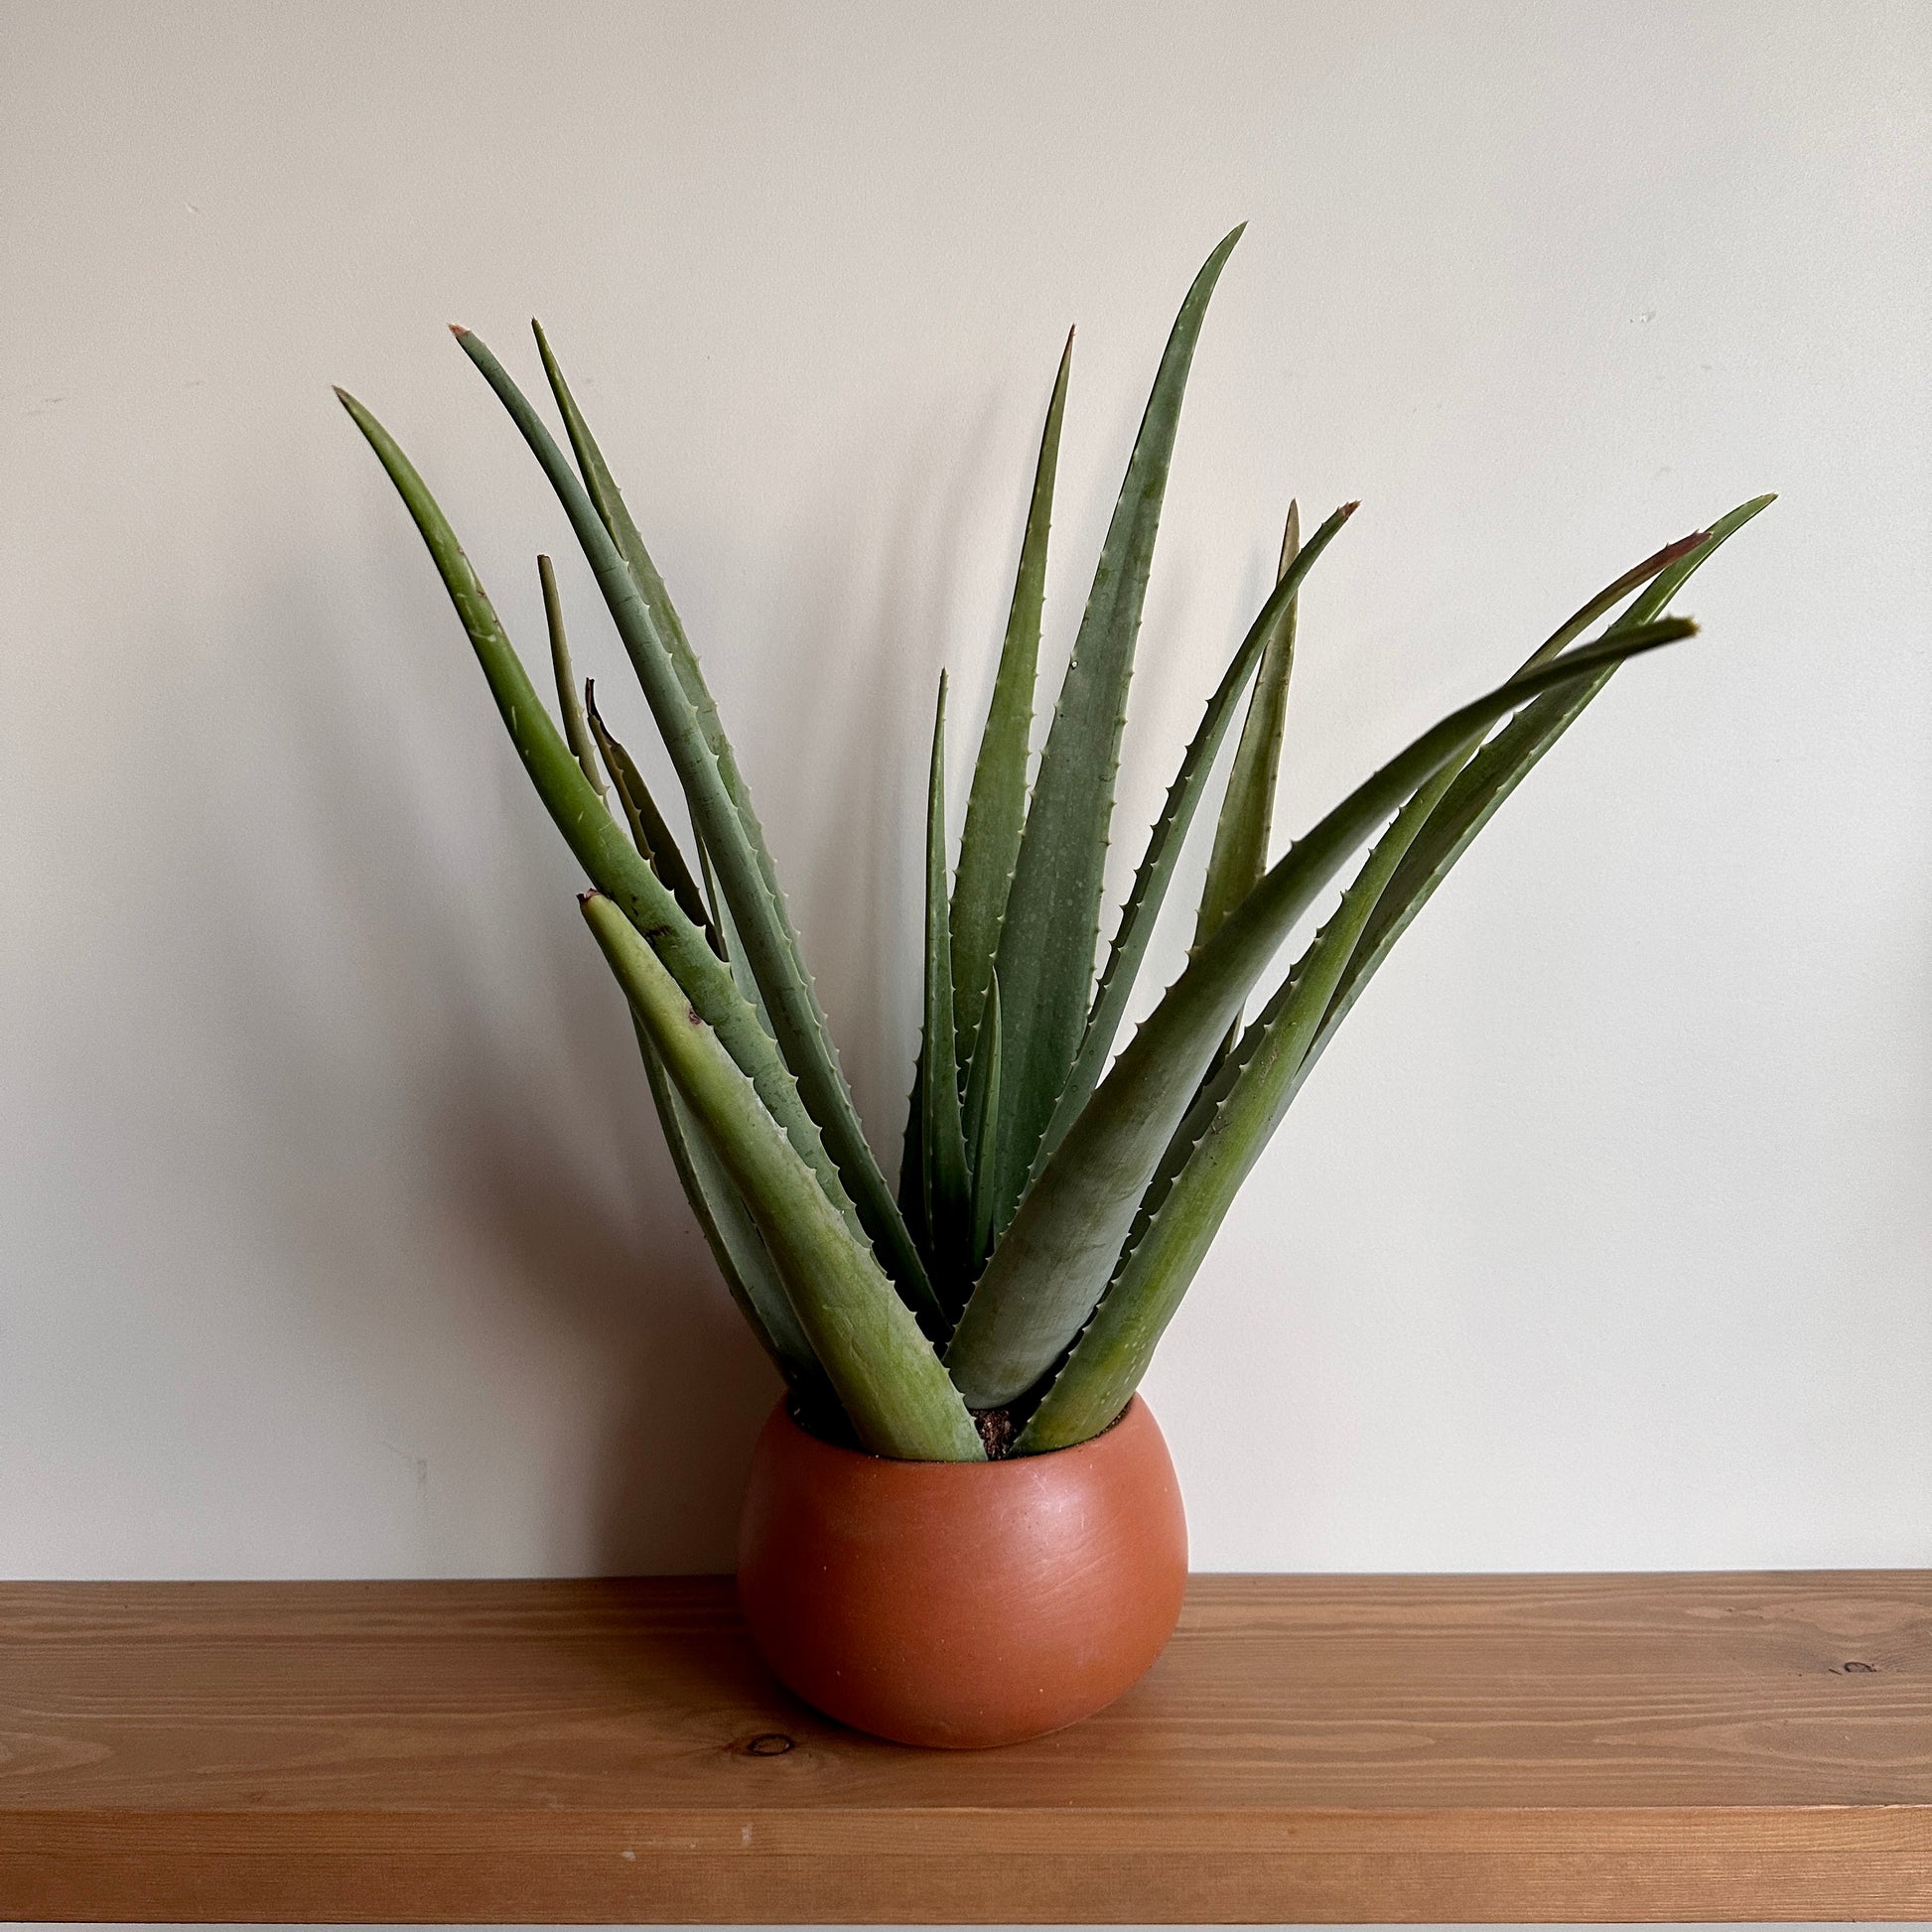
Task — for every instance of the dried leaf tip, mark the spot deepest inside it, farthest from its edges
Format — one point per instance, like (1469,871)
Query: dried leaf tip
(458,330)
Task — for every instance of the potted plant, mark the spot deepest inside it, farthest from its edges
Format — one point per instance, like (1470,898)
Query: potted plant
(962,1526)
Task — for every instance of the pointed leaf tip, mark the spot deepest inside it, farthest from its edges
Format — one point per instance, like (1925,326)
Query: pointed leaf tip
(458,330)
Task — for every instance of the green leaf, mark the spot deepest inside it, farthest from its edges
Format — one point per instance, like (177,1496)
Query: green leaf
(732,946)
(996,807)
(982,1122)
(576,732)
(1462,799)
(653,837)
(1056,1259)
(1157,869)
(1047,939)
(1217,1145)
(942,1137)
(733,1237)
(885,1374)
(727,835)
(1240,854)
(615,864)
(618,522)
(1112,1353)
(912,1157)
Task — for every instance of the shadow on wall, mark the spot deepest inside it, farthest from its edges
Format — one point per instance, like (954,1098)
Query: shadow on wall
(444,1134)
(442,1120)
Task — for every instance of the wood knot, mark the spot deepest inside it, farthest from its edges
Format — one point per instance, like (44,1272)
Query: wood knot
(767,1744)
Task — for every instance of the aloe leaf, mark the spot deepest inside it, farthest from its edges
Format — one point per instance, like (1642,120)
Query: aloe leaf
(1452,785)
(1651,571)
(1157,869)
(1462,799)
(996,807)
(1055,1260)
(732,1234)
(885,1372)
(948,1207)
(614,863)
(1217,1145)
(728,834)
(912,1157)
(576,732)
(732,945)
(623,528)
(982,1122)
(1047,939)
(1111,1356)
(1240,852)
(647,827)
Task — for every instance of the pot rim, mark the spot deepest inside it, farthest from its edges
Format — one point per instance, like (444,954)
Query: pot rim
(1038,1459)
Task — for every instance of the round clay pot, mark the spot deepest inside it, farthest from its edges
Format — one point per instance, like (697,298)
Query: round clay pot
(962,1604)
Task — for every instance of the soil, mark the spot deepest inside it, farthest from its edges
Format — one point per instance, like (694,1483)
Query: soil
(997,1427)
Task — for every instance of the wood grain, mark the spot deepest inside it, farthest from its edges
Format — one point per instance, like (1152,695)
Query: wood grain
(1309,1749)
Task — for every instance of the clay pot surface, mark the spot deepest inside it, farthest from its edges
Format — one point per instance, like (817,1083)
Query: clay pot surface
(962,1604)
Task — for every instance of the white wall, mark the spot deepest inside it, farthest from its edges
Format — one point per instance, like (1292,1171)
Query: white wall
(336,1238)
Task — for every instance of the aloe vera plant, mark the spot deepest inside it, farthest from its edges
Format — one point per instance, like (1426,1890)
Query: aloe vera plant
(1058,1186)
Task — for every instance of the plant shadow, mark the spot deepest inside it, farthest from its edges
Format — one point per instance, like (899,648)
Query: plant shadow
(433,993)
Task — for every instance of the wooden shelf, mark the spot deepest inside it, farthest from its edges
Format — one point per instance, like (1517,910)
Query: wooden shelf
(1309,1749)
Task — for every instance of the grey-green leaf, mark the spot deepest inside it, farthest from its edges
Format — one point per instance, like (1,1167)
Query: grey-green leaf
(1213,1152)
(942,1139)
(887,1376)
(653,837)
(1240,852)
(1223,1135)
(1056,1258)
(1048,937)
(996,807)
(1448,831)
(612,861)
(577,732)
(1157,869)
(732,946)
(618,522)
(727,833)
(982,1122)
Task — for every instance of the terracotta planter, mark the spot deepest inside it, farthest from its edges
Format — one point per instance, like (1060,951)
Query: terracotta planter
(962,1604)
